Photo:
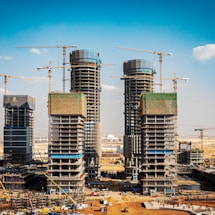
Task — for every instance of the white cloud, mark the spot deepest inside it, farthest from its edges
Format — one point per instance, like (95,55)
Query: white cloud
(35,51)
(5,58)
(110,88)
(203,53)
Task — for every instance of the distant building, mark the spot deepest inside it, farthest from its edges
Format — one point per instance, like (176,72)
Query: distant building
(189,155)
(85,78)
(67,113)
(18,128)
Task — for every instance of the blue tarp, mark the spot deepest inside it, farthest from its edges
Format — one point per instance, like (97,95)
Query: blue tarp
(66,156)
(167,151)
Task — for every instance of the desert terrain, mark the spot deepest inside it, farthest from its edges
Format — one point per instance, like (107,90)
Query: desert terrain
(131,202)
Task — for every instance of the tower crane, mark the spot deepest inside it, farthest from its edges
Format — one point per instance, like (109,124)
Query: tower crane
(11,76)
(50,67)
(64,47)
(201,130)
(153,52)
(175,81)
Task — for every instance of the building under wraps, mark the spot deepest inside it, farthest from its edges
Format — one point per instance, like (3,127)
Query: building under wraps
(138,78)
(67,113)
(85,78)
(18,128)
(158,113)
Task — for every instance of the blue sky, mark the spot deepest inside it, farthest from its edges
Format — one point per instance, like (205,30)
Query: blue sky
(184,28)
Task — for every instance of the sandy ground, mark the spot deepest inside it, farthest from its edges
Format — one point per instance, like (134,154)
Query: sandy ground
(134,208)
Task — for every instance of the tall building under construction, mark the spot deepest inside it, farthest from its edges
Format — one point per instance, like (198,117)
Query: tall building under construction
(85,78)
(138,78)
(67,113)
(18,128)
(158,113)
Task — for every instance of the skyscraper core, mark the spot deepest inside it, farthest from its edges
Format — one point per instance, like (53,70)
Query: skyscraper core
(139,77)
(85,78)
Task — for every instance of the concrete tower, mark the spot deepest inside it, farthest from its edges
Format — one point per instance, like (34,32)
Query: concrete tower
(67,113)
(139,78)
(85,78)
(18,128)
(158,112)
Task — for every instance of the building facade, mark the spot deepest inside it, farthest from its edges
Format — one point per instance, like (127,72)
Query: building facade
(18,128)
(189,155)
(67,113)
(138,78)
(85,78)
(158,113)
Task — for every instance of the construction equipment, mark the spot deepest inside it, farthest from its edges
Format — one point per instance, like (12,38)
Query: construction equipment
(50,67)
(5,191)
(175,81)
(125,210)
(153,52)
(175,87)
(11,76)
(49,178)
(202,135)
(64,47)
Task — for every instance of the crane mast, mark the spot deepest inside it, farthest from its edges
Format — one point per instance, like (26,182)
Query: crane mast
(201,130)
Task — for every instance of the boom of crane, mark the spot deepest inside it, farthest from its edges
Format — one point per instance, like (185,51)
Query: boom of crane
(11,76)
(159,53)
(64,47)
(175,81)
(50,67)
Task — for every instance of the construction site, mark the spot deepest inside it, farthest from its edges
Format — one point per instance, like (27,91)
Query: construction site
(150,171)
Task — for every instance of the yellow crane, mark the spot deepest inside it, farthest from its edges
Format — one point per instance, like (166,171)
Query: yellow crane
(159,53)
(11,76)
(6,192)
(49,178)
(64,47)
(201,130)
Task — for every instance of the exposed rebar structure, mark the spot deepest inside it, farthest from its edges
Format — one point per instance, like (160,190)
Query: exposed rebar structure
(67,113)
(18,128)
(85,77)
(158,112)
(138,77)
